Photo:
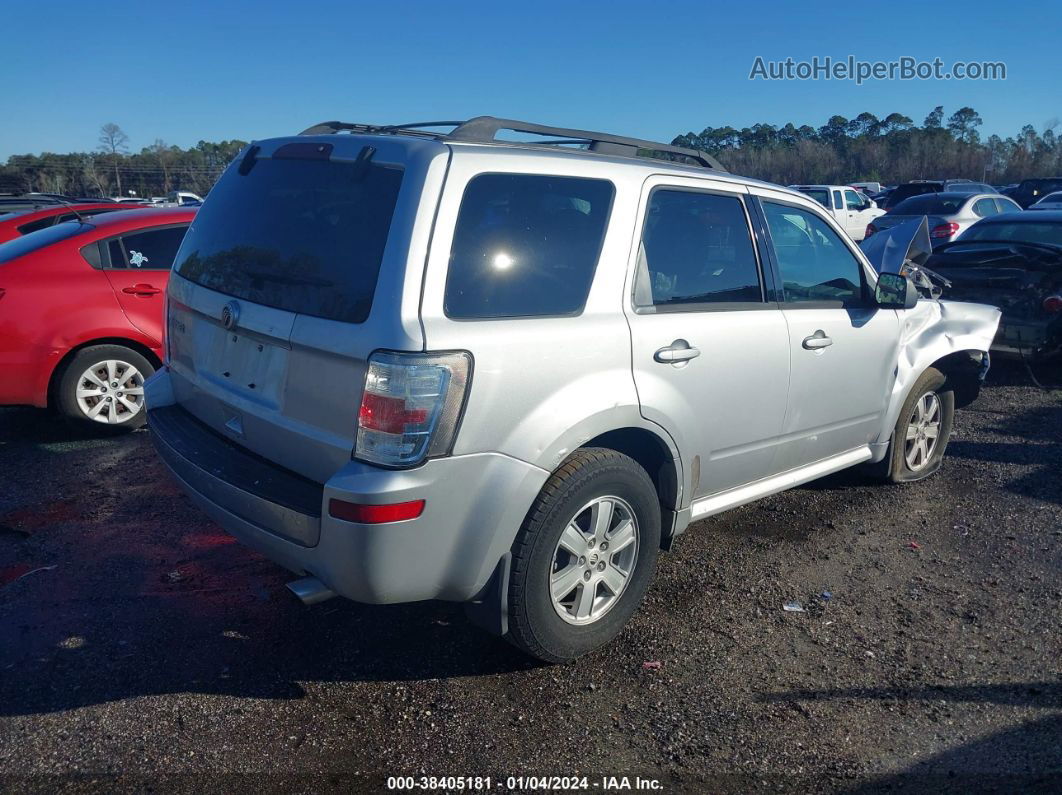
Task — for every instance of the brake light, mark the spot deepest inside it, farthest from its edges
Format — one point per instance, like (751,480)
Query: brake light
(374,514)
(1053,303)
(410,406)
(871,229)
(944,230)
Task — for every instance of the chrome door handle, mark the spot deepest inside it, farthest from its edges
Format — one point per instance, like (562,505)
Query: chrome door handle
(817,341)
(677,351)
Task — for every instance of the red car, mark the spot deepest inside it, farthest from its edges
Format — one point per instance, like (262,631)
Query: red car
(81,313)
(14,225)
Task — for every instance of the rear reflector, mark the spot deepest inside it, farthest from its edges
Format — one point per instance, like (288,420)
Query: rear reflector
(1053,303)
(374,514)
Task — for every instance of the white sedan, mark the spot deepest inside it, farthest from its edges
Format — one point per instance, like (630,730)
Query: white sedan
(1051,201)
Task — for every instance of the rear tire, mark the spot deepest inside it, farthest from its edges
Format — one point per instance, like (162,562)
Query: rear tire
(584,557)
(922,430)
(102,388)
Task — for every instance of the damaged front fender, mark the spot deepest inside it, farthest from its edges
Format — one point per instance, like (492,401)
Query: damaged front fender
(934,332)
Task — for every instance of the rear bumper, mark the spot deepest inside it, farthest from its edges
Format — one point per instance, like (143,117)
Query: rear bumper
(474,505)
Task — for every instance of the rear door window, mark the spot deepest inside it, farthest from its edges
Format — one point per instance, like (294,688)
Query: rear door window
(154,249)
(526,245)
(302,235)
(696,249)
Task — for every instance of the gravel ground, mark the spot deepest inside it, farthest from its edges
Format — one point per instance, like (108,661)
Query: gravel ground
(152,652)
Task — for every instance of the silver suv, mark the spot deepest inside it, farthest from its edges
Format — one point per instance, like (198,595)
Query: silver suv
(420,362)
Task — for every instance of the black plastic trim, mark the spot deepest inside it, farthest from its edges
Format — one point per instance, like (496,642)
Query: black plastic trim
(204,448)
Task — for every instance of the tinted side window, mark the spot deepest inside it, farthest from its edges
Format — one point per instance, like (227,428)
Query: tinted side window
(837,203)
(853,200)
(155,249)
(526,245)
(696,249)
(1007,206)
(814,263)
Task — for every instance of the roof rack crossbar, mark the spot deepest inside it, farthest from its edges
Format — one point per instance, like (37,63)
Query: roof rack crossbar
(484,129)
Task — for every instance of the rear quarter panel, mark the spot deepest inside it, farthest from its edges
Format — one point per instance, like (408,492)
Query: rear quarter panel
(542,387)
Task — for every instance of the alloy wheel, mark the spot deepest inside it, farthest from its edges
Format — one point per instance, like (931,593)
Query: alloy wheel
(594,560)
(923,432)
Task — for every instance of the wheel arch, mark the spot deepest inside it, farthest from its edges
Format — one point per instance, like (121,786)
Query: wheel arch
(653,454)
(60,367)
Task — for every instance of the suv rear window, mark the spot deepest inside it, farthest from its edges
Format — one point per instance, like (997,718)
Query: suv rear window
(305,236)
(526,245)
(821,195)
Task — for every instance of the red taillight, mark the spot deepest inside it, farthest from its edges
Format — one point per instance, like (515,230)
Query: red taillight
(388,414)
(1053,303)
(944,230)
(871,229)
(374,514)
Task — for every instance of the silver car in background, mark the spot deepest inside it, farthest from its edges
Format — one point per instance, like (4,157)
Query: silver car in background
(949,214)
(413,364)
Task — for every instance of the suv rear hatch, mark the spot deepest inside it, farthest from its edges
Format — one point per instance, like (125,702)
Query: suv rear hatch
(272,316)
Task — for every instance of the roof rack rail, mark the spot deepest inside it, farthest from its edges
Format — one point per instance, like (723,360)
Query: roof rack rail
(484,129)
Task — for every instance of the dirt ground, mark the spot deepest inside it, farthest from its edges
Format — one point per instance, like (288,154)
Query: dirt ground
(142,649)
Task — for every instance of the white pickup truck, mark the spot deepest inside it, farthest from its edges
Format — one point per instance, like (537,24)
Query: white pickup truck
(851,209)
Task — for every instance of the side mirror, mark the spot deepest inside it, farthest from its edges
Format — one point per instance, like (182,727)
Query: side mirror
(872,205)
(895,292)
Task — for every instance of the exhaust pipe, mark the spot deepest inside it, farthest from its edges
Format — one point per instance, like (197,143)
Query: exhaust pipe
(311,590)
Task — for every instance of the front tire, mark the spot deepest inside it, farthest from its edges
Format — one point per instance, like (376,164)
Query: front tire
(922,430)
(102,387)
(584,557)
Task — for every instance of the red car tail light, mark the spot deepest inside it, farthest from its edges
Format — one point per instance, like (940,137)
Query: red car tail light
(410,406)
(1053,303)
(374,514)
(944,230)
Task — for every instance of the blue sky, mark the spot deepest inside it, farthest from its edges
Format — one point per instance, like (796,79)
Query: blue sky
(190,70)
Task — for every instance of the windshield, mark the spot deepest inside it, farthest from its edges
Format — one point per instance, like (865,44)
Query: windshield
(305,236)
(1046,233)
(27,244)
(929,204)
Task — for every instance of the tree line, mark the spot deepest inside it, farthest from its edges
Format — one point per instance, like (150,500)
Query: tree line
(890,150)
(113,170)
(866,148)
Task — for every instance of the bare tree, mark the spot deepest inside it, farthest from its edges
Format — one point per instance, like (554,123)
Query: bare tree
(163,154)
(114,142)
